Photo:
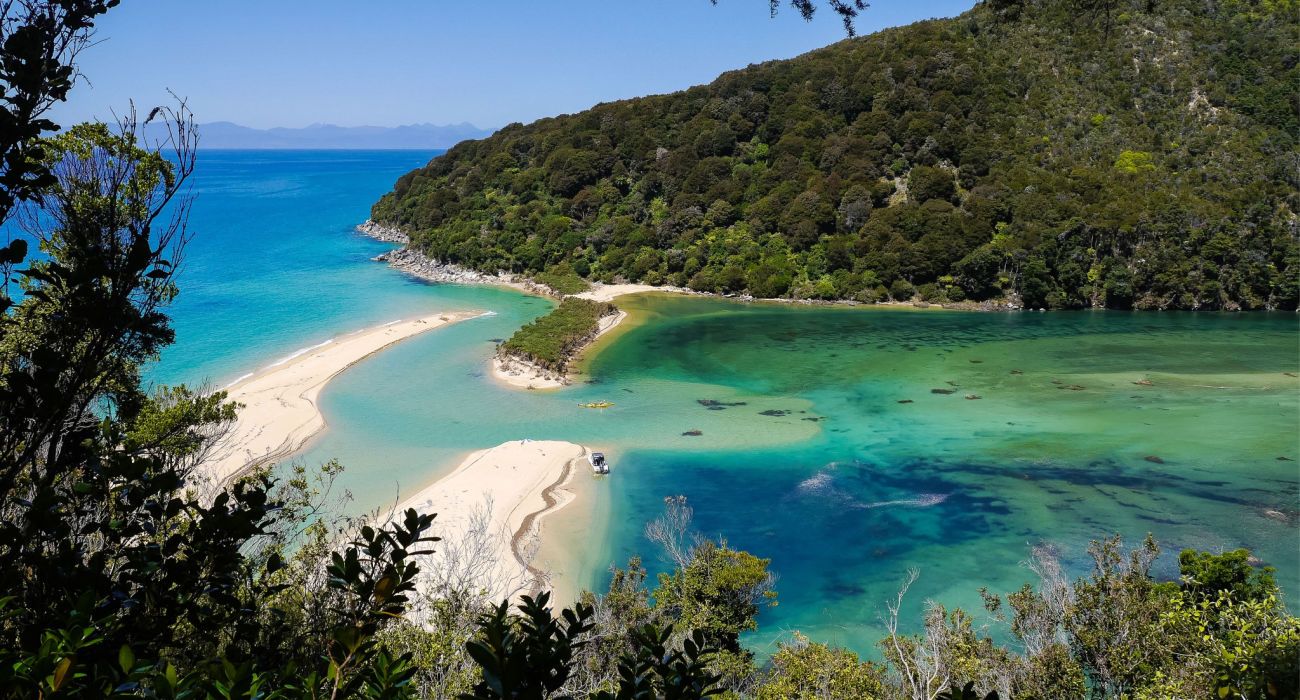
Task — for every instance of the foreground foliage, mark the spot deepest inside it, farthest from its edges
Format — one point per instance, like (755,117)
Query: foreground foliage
(1120,154)
(1117,633)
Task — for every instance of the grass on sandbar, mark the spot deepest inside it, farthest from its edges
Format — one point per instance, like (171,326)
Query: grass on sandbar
(551,341)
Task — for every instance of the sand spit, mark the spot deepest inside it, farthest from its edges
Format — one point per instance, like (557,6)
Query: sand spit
(280,412)
(490,509)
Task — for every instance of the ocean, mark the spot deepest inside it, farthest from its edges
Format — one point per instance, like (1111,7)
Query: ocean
(848,445)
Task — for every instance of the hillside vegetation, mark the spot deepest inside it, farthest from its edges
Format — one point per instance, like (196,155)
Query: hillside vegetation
(1124,155)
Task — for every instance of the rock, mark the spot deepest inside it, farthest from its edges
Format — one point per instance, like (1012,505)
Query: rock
(420,265)
(1280,516)
(973,397)
(715,405)
(1154,459)
(942,391)
(693,433)
(773,412)
(1072,387)
(380,232)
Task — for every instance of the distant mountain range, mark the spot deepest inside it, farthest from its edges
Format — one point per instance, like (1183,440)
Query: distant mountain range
(411,136)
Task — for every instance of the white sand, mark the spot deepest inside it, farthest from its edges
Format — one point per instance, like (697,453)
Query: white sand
(519,483)
(280,412)
(522,374)
(610,292)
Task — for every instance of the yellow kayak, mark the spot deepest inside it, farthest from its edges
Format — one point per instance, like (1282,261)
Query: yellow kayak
(597,404)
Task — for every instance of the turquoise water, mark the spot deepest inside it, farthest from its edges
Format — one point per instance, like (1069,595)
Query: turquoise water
(274,264)
(815,463)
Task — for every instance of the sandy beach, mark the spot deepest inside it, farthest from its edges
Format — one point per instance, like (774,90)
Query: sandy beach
(610,292)
(280,412)
(489,511)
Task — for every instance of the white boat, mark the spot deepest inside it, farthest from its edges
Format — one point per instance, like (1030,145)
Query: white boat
(598,463)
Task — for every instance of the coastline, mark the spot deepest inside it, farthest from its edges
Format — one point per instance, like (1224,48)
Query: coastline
(280,409)
(419,265)
(518,373)
(494,505)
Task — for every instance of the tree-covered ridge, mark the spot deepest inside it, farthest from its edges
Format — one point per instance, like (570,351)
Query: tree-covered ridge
(1136,154)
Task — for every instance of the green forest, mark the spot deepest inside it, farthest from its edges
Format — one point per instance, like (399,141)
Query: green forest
(1050,154)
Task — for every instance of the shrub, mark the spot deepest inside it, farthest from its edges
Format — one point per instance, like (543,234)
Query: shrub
(551,341)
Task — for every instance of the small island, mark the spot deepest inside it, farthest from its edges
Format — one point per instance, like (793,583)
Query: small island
(540,354)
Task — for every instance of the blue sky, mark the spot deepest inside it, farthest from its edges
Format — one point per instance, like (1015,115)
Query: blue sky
(267,63)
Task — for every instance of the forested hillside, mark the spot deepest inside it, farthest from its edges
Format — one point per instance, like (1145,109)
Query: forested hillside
(1130,154)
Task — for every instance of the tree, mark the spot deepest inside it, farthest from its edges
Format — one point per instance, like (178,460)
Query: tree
(925,183)
(805,669)
(977,273)
(39,43)
(1206,575)
(847,10)
(125,572)
(531,656)
(1035,284)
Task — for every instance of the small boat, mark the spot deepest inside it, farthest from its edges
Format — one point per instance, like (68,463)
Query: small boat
(598,463)
(597,404)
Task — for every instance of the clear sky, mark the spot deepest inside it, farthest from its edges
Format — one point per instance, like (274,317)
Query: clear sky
(265,63)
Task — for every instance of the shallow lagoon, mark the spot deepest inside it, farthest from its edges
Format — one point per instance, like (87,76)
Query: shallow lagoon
(846,488)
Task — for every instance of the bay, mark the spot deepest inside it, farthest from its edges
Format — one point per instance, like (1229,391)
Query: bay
(822,443)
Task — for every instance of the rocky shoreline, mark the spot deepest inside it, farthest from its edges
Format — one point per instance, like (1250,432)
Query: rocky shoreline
(417,264)
(380,232)
(422,266)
